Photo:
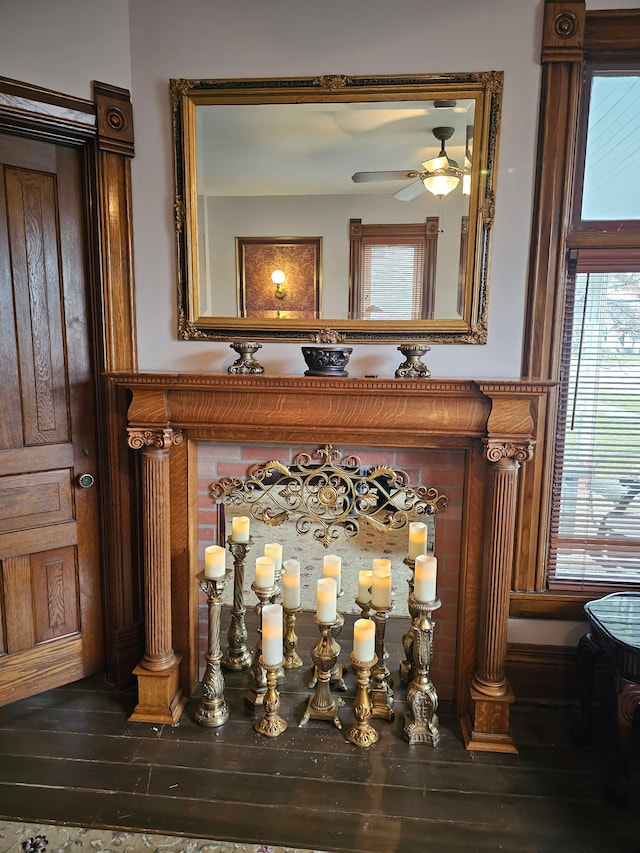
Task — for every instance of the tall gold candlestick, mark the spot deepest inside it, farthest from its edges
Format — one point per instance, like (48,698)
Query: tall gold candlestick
(237,656)
(272,724)
(336,675)
(381,692)
(362,733)
(213,709)
(322,705)
(257,673)
(292,659)
(421,722)
(407,665)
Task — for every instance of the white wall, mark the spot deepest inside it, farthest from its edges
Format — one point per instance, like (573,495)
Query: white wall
(251,38)
(66,44)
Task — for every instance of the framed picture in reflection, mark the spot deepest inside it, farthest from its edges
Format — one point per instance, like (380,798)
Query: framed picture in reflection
(279,277)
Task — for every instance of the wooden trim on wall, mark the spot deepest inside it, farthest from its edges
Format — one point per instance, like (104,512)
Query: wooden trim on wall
(562,56)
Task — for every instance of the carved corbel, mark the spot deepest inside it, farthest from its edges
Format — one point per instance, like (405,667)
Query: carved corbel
(160,439)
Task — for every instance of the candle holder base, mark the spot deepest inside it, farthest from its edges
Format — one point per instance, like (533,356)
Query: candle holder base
(237,656)
(322,705)
(257,673)
(272,724)
(336,676)
(292,659)
(421,721)
(213,710)
(381,683)
(362,734)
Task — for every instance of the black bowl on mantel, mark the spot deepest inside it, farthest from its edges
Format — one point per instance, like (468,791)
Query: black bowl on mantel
(326,359)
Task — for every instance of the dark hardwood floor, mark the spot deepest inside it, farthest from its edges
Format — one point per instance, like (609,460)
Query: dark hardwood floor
(71,756)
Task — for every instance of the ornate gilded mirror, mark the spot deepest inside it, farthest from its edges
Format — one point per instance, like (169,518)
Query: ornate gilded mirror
(310,203)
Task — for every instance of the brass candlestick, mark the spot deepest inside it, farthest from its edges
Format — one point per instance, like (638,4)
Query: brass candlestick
(272,724)
(336,675)
(381,692)
(362,733)
(213,709)
(237,656)
(322,705)
(257,674)
(421,722)
(406,665)
(292,659)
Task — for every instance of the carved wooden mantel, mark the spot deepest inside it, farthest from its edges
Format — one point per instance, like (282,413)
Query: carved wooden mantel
(492,420)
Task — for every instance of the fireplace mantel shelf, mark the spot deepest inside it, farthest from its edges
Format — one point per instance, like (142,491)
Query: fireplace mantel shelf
(492,420)
(431,412)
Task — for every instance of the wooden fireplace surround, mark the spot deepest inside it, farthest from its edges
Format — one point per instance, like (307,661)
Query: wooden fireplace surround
(492,421)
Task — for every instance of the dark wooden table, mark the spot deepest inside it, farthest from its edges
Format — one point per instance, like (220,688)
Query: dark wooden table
(614,623)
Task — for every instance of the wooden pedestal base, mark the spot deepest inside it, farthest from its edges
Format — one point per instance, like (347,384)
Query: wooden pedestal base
(485,727)
(160,697)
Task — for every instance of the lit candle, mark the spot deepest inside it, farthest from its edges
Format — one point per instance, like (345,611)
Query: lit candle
(424,583)
(274,550)
(381,586)
(265,572)
(364,639)
(214,561)
(332,568)
(326,601)
(365,580)
(418,531)
(240,528)
(291,584)
(272,634)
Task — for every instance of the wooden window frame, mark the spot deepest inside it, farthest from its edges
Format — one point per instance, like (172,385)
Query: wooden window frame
(393,234)
(571,38)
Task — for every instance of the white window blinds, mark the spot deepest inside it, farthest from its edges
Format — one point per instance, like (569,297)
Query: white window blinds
(595,524)
(392,279)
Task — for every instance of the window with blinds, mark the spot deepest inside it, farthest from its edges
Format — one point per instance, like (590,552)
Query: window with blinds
(392,270)
(595,524)
(392,280)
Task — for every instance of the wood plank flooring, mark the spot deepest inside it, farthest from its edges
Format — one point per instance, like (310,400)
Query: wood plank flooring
(70,756)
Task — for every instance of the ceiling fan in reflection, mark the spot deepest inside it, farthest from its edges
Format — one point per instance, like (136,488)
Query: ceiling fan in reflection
(440,175)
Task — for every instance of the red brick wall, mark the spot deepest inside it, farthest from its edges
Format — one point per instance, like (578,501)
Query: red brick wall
(442,469)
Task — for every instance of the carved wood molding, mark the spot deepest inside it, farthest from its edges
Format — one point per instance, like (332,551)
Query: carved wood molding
(157,439)
(563,31)
(115,119)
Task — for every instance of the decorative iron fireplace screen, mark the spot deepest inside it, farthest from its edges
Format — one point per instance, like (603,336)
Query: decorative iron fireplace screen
(328,496)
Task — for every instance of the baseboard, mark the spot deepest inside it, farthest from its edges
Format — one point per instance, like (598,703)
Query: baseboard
(549,674)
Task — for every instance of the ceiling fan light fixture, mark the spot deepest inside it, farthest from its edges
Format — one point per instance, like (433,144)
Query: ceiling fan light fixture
(441,183)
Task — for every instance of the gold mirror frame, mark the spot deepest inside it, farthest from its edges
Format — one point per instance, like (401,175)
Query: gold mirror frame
(484,88)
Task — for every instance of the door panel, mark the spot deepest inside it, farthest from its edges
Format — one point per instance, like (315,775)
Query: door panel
(50,601)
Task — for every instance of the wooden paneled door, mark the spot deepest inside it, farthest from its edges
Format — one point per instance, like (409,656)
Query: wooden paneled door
(51,628)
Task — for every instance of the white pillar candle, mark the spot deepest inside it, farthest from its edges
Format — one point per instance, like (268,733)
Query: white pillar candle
(332,568)
(265,572)
(272,634)
(326,601)
(240,528)
(381,586)
(214,561)
(418,532)
(424,583)
(364,639)
(274,550)
(365,580)
(291,584)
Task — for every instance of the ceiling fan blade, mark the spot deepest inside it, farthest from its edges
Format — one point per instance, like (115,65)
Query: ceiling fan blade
(410,192)
(363,177)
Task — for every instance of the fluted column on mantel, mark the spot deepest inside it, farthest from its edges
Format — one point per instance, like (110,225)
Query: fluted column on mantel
(160,698)
(487,725)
